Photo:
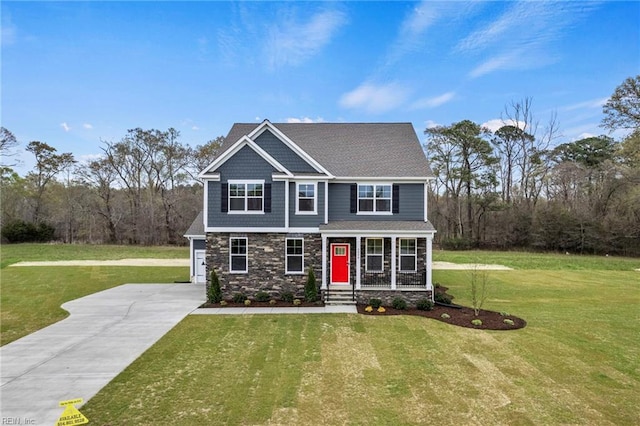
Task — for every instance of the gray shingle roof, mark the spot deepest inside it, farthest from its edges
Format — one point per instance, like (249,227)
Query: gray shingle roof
(353,149)
(197,227)
(377,225)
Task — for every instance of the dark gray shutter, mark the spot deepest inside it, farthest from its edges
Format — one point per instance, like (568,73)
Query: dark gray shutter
(354,198)
(224,197)
(267,198)
(396,199)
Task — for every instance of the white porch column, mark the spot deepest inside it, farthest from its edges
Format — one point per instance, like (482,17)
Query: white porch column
(324,263)
(429,264)
(393,262)
(358,261)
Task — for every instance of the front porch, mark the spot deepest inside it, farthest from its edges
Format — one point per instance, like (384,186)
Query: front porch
(388,261)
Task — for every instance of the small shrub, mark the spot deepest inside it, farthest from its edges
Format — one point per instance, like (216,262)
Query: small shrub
(508,321)
(239,298)
(214,294)
(442,298)
(262,296)
(375,303)
(272,302)
(382,310)
(505,314)
(437,285)
(287,296)
(399,303)
(424,305)
(297,302)
(310,288)
(445,316)
(369,309)
(247,302)
(476,322)
(223,303)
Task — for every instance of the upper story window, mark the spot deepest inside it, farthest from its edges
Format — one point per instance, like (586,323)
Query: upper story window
(246,197)
(307,200)
(374,198)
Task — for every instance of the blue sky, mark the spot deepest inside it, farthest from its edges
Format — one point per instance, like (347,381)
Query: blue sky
(77,73)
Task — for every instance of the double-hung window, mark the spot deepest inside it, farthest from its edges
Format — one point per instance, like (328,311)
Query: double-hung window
(374,198)
(246,197)
(238,255)
(408,254)
(374,255)
(307,200)
(294,256)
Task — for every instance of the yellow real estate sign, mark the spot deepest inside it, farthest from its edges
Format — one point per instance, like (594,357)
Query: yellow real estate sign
(71,416)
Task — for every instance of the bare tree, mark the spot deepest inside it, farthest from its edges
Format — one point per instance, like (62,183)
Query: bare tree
(7,143)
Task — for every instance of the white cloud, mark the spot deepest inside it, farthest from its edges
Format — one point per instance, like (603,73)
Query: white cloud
(305,120)
(65,126)
(375,98)
(433,102)
(87,126)
(430,124)
(523,36)
(497,123)
(195,128)
(291,42)
(593,103)
(89,157)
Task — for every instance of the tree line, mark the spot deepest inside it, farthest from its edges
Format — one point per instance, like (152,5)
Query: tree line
(517,188)
(511,188)
(142,189)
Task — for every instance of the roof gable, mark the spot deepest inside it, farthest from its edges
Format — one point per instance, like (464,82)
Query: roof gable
(350,150)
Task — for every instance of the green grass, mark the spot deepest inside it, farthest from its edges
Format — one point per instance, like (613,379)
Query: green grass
(546,261)
(12,253)
(575,363)
(30,297)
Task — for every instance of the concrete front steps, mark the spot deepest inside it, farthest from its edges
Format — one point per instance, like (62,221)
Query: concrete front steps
(339,296)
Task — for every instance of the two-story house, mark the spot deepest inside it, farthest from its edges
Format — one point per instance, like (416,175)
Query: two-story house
(346,199)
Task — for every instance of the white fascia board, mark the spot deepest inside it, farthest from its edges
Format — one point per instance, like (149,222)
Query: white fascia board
(376,233)
(241,143)
(266,124)
(315,178)
(260,230)
(215,177)
(195,237)
(394,179)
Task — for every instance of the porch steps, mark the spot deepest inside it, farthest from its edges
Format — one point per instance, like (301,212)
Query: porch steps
(339,297)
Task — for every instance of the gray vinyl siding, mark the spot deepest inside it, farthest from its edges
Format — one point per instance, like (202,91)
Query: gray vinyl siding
(199,245)
(217,219)
(411,203)
(283,154)
(306,221)
(245,164)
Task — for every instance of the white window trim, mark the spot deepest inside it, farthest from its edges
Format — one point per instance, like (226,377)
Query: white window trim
(375,212)
(286,258)
(366,255)
(315,198)
(246,196)
(400,255)
(246,242)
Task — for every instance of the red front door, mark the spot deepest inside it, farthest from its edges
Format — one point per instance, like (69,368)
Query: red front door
(339,263)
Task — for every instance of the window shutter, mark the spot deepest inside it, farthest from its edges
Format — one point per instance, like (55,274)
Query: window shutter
(267,198)
(396,199)
(354,198)
(224,197)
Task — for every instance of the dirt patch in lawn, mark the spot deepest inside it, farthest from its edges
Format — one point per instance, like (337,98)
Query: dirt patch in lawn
(469,266)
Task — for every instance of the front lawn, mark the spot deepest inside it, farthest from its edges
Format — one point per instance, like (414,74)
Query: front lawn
(575,363)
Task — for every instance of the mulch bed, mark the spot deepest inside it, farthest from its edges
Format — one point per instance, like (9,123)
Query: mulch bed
(459,315)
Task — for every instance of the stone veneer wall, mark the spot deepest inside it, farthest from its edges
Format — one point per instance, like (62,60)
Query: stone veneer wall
(266,264)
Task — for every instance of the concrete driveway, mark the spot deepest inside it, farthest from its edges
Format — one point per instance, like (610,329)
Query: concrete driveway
(79,355)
